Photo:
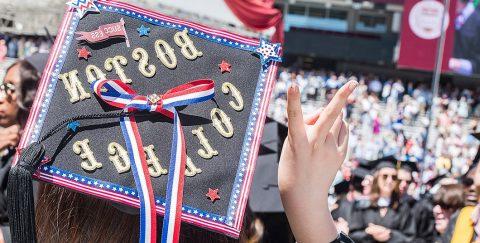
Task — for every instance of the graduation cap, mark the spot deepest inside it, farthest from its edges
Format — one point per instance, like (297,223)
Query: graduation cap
(410,165)
(342,187)
(148,111)
(383,162)
(358,175)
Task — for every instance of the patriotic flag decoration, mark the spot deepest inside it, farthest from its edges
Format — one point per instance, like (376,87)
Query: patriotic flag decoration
(104,32)
(83,6)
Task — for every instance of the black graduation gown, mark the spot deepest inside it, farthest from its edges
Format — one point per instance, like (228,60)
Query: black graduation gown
(344,210)
(5,165)
(399,221)
(422,213)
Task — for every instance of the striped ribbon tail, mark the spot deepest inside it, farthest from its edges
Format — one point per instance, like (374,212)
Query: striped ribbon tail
(174,196)
(120,95)
(148,219)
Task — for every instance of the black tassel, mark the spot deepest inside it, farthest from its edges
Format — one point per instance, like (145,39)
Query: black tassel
(21,208)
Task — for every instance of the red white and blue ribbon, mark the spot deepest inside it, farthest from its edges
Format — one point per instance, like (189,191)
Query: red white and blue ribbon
(120,95)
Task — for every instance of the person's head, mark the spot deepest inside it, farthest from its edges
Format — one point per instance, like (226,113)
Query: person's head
(385,185)
(447,200)
(469,189)
(66,216)
(17,93)
(404,180)
(385,181)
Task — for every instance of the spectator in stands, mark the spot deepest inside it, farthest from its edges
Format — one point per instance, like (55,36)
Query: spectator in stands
(16,97)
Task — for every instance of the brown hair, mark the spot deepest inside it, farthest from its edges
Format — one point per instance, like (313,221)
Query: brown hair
(66,216)
(27,88)
(449,197)
(375,194)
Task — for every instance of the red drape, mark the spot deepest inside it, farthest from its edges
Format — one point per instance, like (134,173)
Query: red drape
(258,15)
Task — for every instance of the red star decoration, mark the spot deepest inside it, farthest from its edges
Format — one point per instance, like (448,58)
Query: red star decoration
(83,53)
(224,66)
(212,194)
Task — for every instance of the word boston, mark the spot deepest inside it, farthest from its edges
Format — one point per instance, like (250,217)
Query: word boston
(152,112)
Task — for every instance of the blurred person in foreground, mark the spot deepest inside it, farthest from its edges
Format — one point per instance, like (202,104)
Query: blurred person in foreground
(447,201)
(385,220)
(355,198)
(17,92)
(465,223)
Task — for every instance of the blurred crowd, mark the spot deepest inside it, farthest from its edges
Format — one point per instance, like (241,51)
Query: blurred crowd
(22,46)
(391,117)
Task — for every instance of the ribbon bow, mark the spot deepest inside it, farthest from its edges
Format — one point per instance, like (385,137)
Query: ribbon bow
(118,94)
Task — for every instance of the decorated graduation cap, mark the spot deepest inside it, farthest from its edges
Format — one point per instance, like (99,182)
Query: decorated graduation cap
(148,111)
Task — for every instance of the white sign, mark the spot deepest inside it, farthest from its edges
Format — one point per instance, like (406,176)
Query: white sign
(425,19)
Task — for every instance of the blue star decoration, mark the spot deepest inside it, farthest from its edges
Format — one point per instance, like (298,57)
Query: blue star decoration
(143,31)
(73,126)
(83,6)
(268,51)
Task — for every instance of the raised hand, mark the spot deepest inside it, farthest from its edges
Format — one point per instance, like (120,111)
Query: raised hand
(313,152)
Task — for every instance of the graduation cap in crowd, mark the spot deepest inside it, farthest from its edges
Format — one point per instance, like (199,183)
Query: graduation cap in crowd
(410,165)
(148,111)
(383,162)
(358,175)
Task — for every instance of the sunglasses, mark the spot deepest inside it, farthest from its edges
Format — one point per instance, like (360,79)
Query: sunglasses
(467,182)
(386,176)
(7,89)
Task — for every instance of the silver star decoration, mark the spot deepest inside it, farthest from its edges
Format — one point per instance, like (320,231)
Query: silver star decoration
(268,51)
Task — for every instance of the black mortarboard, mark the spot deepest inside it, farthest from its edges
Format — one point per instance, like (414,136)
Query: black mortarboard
(358,175)
(122,86)
(408,164)
(342,187)
(360,172)
(384,162)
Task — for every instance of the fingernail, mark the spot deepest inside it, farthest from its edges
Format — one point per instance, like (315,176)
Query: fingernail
(353,85)
(294,87)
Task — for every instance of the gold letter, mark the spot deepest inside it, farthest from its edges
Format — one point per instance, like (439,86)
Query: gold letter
(217,123)
(154,167)
(73,86)
(191,169)
(207,152)
(189,51)
(226,87)
(90,70)
(117,152)
(115,62)
(89,163)
(162,55)
(139,54)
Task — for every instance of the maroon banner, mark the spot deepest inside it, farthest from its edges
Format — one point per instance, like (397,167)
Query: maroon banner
(104,32)
(420,34)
